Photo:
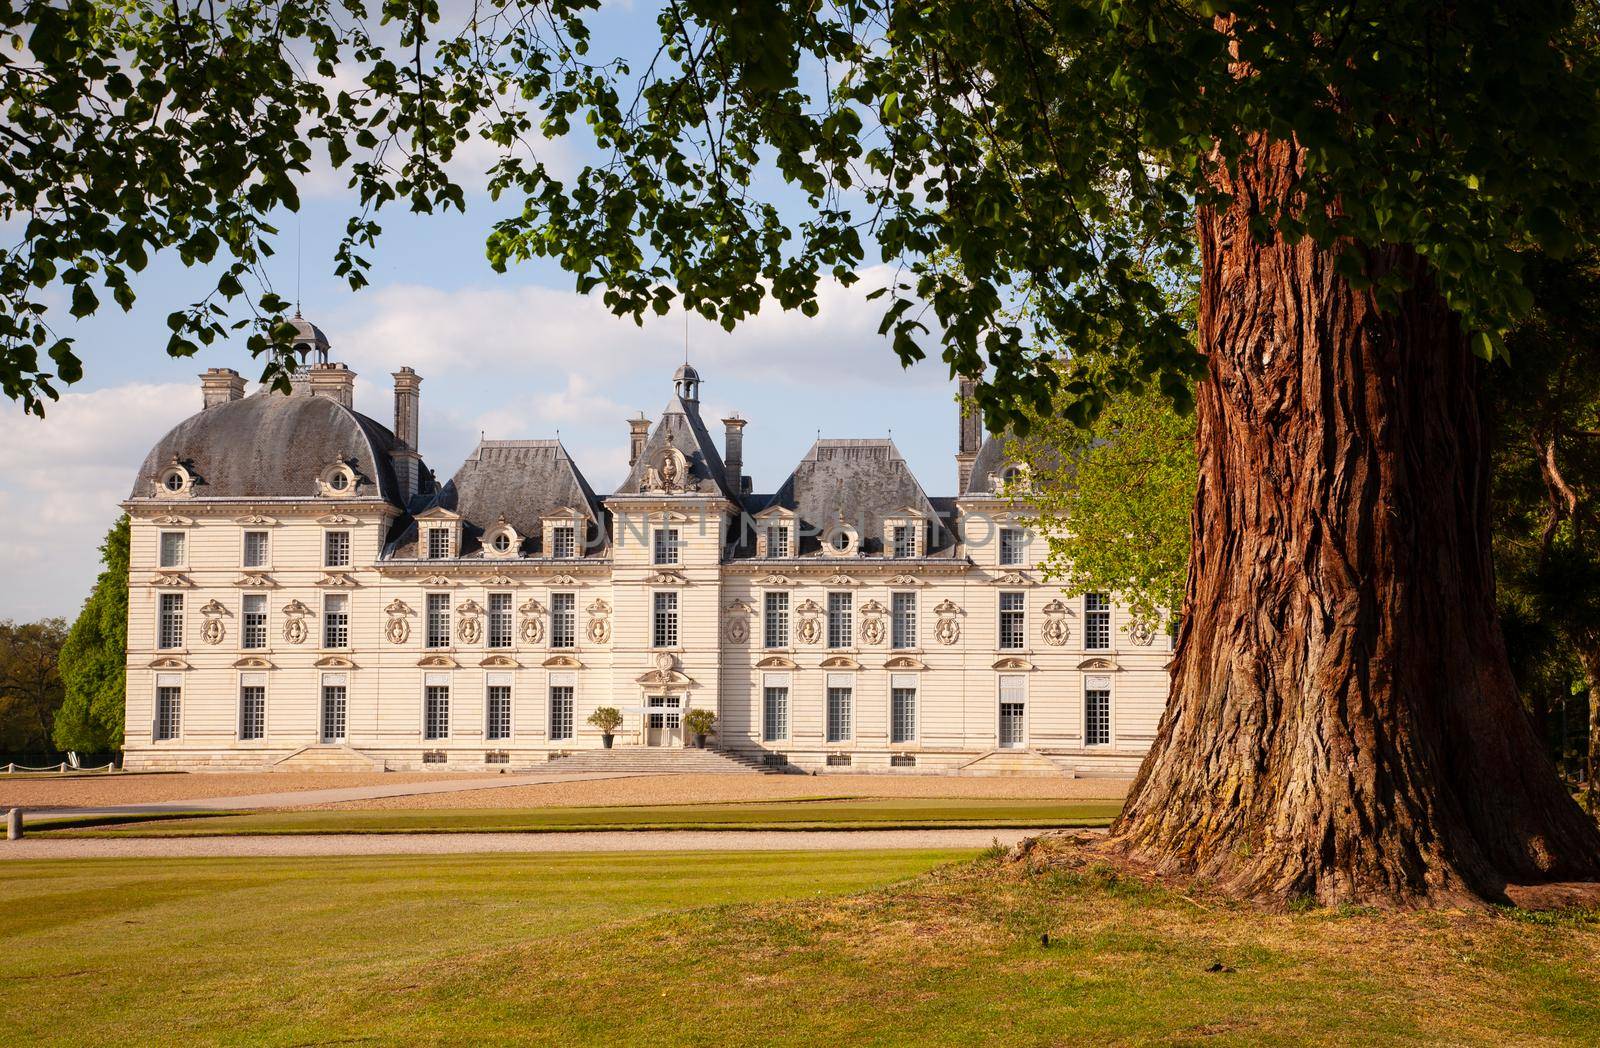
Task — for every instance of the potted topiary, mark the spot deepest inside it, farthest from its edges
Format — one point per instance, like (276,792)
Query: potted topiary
(608,720)
(699,723)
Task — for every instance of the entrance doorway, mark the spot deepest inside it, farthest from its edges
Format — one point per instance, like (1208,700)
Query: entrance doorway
(1012,736)
(663,721)
(333,713)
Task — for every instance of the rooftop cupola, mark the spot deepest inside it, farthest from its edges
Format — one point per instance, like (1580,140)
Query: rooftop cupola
(686,384)
(309,340)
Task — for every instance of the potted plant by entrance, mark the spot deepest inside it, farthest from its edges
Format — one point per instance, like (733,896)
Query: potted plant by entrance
(699,723)
(608,719)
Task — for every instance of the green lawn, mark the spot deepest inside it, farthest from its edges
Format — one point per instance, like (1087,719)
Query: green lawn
(763,949)
(781,815)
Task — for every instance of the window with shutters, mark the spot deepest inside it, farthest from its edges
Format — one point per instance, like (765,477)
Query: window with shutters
(500,626)
(252,711)
(563,620)
(336,549)
(497,718)
(436,711)
(1096,621)
(253,621)
(841,620)
(169,712)
(560,712)
(169,621)
(336,621)
(172,546)
(564,541)
(664,625)
(775,619)
(1013,546)
(438,620)
(666,546)
(903,620)
(1013,621)
(775,712)
(257,549)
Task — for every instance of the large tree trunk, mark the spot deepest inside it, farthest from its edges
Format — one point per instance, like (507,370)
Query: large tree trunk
(1343,722)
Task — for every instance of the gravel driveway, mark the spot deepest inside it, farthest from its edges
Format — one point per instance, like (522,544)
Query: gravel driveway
(477,843)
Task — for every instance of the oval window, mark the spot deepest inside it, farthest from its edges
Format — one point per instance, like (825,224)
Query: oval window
(339,481)
(174,481)
(502,542)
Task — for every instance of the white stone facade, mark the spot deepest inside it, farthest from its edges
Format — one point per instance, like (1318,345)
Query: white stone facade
(491,645)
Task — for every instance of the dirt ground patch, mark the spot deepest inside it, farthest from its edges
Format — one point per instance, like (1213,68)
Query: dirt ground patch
(98,791)
(723,789)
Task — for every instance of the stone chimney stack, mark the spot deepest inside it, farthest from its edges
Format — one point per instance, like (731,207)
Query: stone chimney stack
(220,385)
(334,381)
(407,408)
(969,433)
(638,433)
(733,453)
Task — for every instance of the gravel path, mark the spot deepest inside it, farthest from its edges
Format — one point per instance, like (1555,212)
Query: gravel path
(478,843)
(100,791)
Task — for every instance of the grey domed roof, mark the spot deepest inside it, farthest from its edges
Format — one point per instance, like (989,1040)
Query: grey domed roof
(307,333)
(686,371)
(270,445)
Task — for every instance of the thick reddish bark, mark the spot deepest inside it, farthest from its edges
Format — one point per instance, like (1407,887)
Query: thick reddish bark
(1343,722)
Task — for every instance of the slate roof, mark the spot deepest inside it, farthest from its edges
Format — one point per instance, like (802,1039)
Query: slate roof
(991,459)
(862,482)
(273,445)
(523,481)
(680,426)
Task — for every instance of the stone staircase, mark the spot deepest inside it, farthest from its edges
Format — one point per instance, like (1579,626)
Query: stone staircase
(1014,762)
(650,760)
(327,758)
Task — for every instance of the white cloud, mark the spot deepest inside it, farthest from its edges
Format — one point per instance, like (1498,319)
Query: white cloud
(61,479)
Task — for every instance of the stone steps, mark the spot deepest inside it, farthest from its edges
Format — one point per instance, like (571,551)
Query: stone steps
(652,761)
(1014,763)
(327,758)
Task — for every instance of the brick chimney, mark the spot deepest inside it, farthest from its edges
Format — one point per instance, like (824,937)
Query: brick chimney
(334,381)
(733,453)
(969,433)
(407,458)
(220,385)
(638,433)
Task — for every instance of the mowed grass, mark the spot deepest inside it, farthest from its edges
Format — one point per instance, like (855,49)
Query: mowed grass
(730,948)
(886,813)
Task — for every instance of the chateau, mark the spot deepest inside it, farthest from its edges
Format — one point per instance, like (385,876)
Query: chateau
(302,586)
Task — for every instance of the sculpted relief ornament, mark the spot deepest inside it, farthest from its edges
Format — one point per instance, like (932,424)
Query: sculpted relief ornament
(469,618)
(810,628)
(294,622)
(398,630)
(1055,624)
(872,628)
(1141,633)
(599,621)
(669,475)
(737,627)
(532,628)
(948,629)
(212,630)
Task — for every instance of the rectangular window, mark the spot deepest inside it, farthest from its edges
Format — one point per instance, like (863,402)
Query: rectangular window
(560,712)
(1013,544)
(438,543)
(563,620)
(666,546)
(1096,621)
(256,549)
(336,549)
(841,621)
(497,724)
(169,627)
(903,620)
(564,542)
(253,627)
(336,621)
(252,712)
(438,620)
(775,713)
(500,630)
(902,713)
(172,549)
(1097,713)
(1013,620)
(335,702)
(436,712)
(840,701)
(169,712)
(664,624)
(905,541)
(1013,712)
(775,620)
(777,540)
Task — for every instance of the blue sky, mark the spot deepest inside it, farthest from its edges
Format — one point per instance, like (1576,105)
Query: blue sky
(515,356)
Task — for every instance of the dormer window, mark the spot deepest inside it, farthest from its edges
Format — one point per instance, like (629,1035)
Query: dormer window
(501,543)
(904,541)
(337,481)
(564,541)
(840,540)
(1014,479)
(501,540)
(174,481)
(777,540)
(903,535)
(438,543)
